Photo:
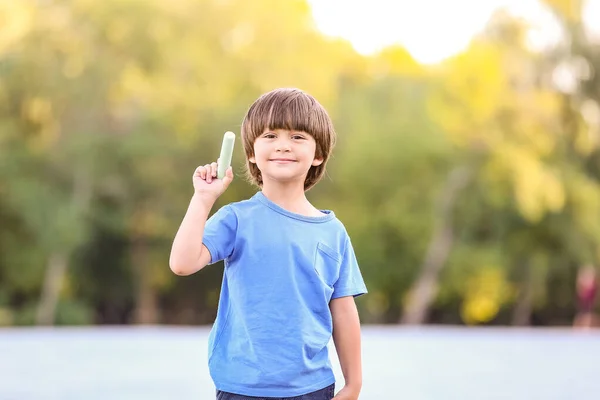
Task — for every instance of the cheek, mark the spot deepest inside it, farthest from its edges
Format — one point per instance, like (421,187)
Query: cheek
(259,152)
(314,152)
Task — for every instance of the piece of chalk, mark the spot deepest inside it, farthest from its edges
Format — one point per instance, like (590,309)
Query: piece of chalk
(226,153)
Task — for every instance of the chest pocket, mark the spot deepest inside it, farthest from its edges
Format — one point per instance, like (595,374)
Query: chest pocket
(327,264)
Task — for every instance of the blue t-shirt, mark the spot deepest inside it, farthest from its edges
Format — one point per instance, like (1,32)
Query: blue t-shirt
(273,322)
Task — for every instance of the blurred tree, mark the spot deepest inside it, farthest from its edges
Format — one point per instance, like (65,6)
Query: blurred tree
(495,112)
(389,162)
(469,188)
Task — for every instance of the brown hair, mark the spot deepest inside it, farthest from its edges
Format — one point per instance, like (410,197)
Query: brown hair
(294,110)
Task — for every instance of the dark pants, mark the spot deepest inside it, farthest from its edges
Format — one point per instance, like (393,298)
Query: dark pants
(323,394)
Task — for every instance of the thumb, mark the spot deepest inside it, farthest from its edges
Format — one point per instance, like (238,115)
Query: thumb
(228,177)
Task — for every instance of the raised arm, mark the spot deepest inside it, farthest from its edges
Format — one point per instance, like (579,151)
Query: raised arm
(188,254)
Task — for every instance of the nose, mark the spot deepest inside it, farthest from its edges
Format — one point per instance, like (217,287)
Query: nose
(283,145)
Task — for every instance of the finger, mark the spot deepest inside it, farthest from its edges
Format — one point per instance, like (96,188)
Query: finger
(214,168)
(200,172)
(227,178)
(207,174)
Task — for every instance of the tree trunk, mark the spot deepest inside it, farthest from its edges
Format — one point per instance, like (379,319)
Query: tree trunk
(58,262)
(146,309)
(424,290)
(522,312)
(53,280)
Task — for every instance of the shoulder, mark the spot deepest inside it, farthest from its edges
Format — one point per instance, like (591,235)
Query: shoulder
(334,234)
(242,207)
(335,224)
(243,211)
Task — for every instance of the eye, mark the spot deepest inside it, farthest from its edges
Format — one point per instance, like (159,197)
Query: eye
(298,137)
(269,135)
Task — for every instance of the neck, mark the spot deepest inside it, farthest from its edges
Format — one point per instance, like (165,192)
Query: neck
(289,196)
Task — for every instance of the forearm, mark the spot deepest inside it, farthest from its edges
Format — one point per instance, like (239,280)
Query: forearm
(347,340)
(187,246)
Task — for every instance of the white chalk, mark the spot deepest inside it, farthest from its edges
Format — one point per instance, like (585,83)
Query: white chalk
(226,154)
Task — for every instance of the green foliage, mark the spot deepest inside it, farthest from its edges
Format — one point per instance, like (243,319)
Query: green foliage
(106,108)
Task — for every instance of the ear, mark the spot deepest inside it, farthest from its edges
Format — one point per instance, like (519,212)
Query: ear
(252,159)
(317,161)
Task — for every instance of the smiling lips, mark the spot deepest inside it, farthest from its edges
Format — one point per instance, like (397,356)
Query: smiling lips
(282,160)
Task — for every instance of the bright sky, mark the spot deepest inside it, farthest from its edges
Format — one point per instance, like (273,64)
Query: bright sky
(431,30)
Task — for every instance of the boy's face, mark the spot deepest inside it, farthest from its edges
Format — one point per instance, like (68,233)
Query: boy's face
(284,156)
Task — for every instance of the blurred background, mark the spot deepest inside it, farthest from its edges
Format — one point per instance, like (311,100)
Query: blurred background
(467,173)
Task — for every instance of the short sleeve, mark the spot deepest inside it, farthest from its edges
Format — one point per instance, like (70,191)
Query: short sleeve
(219,234)
(350,281)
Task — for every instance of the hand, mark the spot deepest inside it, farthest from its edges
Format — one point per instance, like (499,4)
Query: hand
(207,185)
(347,393)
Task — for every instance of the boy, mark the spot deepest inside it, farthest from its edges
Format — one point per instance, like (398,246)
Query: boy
(290,271)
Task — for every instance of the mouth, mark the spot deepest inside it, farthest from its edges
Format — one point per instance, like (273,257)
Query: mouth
(282,160)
